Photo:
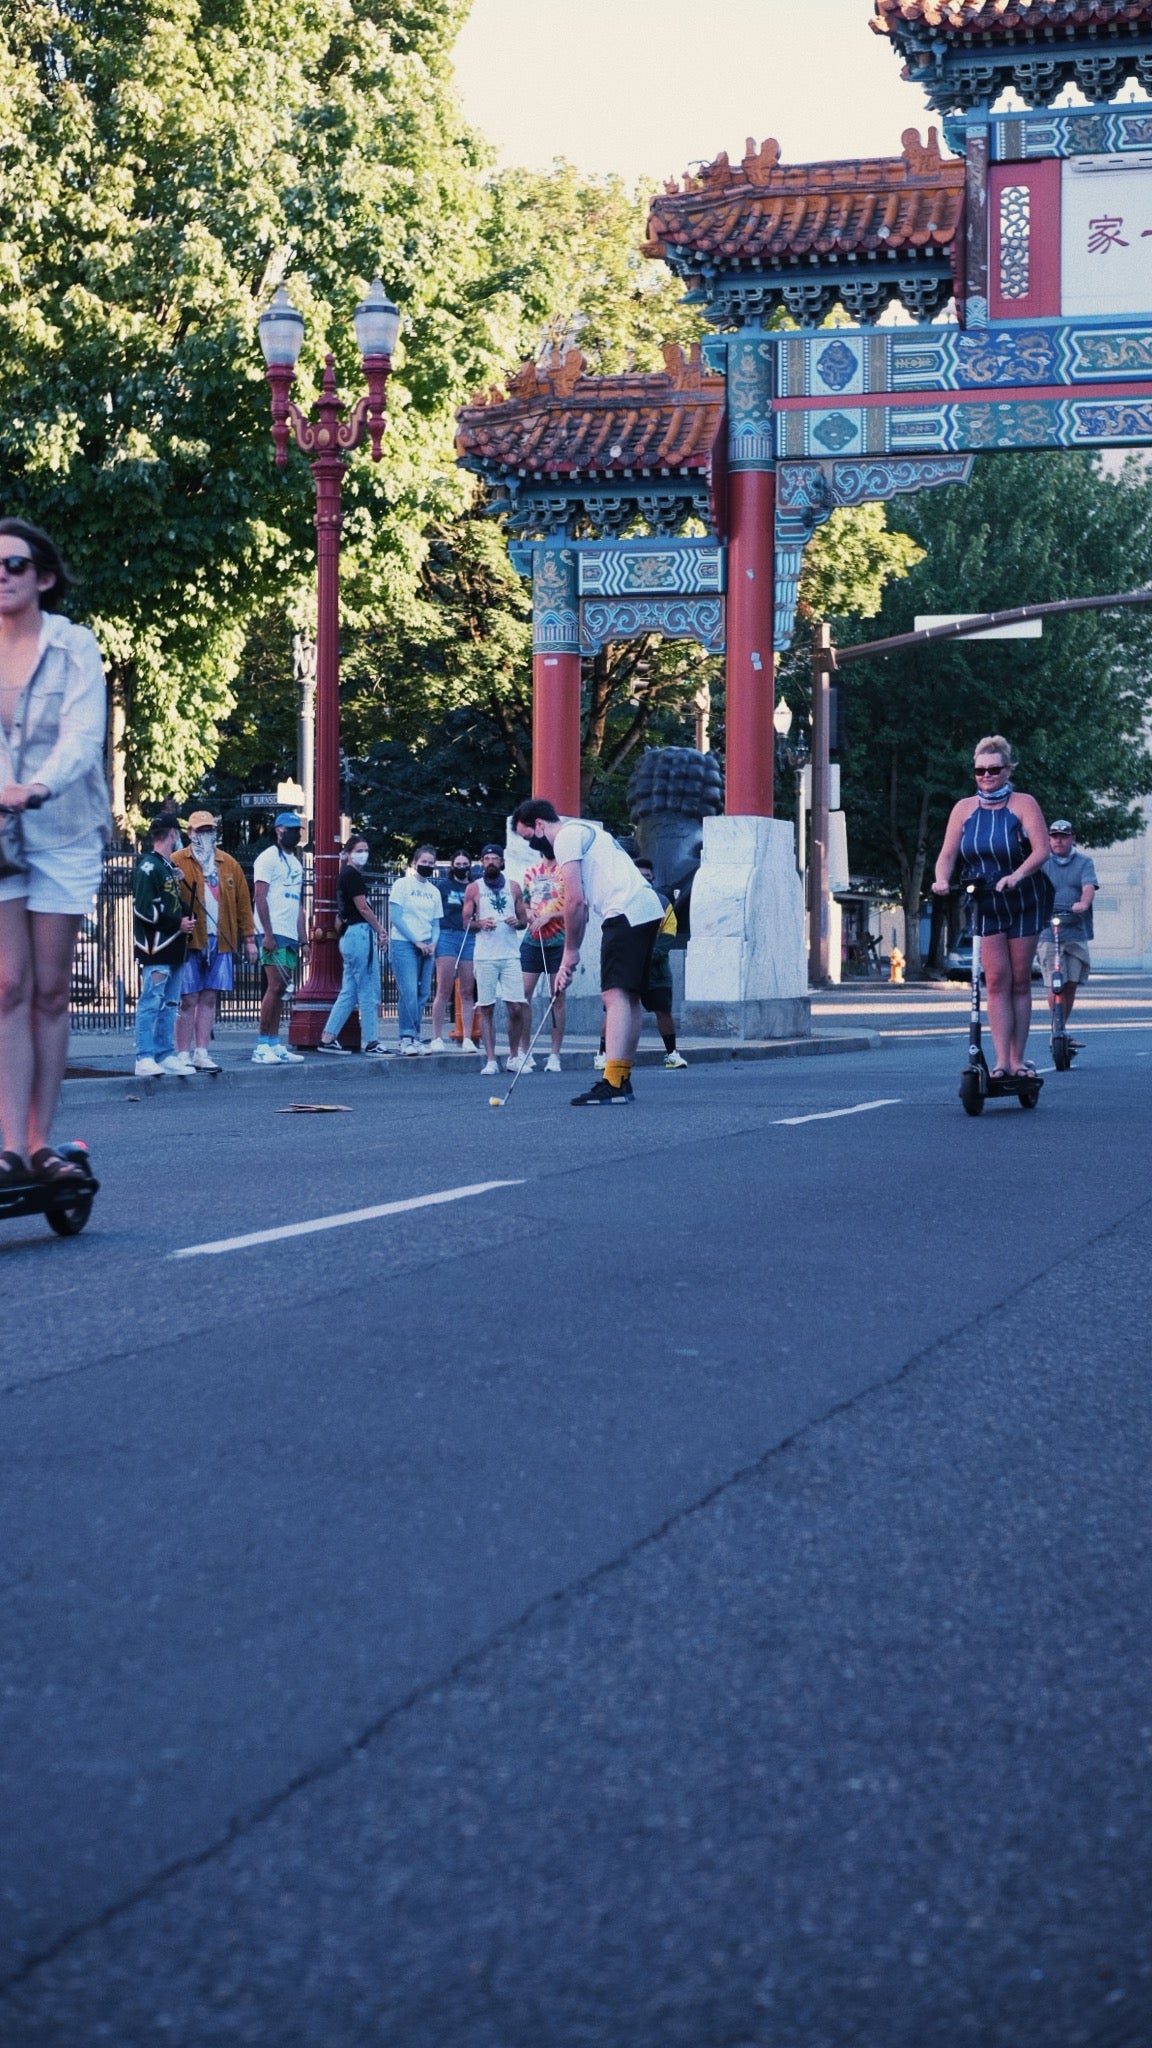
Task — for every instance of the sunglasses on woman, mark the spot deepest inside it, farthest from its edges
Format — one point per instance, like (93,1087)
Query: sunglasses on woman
(15,564)
(999,770)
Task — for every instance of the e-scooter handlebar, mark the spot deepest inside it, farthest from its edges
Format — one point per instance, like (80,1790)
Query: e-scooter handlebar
(31,803)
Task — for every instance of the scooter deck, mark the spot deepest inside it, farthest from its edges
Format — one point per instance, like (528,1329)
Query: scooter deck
(36,1198)
(1014,1084)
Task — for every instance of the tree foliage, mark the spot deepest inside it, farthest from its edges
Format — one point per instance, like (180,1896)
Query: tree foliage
(166,163)
(1028,529)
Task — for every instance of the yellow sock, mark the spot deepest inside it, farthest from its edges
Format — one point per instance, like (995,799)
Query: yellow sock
(617,1071)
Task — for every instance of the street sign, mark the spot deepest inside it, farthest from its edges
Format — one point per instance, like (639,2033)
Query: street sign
(259,800)
(1027,629)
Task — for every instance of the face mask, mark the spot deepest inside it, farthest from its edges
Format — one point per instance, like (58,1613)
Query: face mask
(290,840)
(425,874)
(359,860)
(460,874)
(204,847)
(541,845)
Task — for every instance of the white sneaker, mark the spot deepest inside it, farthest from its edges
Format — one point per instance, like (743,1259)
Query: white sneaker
(552,1064)
(674,1059)
(265,1056)
(148,1069)
(438,1045)
(409,1048)
(287,1057)
(514,1062)
(492,1067)
(178,1063)
(203,1061)
(600,1062)
(527,1063)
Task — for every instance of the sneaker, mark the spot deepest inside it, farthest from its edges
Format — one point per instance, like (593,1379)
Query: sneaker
(438,1045)
(492,1067)
(203,1061)
(265,1056)
(552,1064)
(148,1069)
(333,1045)
(286,1057)
(600,1062)
(527,1064)
(603,1095)
(409,1048)
(674,1059)
(178,1063)
(514,1062)
(376,1051)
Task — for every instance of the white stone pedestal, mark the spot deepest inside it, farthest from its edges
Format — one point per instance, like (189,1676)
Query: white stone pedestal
(746,974)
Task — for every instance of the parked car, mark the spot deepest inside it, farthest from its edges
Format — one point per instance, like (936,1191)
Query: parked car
(958,961)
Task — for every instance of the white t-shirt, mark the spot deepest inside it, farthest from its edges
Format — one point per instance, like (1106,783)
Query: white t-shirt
(284,875)
(613,884)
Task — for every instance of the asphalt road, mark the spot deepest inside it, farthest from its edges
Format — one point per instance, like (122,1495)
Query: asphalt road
(698,1591)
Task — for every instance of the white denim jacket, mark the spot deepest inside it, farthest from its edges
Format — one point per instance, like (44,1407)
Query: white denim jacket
(57,738)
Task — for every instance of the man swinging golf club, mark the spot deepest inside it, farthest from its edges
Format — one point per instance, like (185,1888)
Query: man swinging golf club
(599,876)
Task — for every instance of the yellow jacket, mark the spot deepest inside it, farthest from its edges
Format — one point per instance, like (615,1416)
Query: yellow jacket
(236,921)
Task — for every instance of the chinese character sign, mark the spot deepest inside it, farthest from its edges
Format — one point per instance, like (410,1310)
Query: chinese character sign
(1106,235)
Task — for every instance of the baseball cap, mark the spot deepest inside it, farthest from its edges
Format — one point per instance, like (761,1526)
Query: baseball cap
(286,818)
(492,848)
(1060,825)
(201,821)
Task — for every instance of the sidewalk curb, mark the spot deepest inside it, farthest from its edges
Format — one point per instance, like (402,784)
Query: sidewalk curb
(124,1087)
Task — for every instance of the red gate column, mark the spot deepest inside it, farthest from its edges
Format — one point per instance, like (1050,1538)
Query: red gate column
(750,682)
(749,673)
(556,678)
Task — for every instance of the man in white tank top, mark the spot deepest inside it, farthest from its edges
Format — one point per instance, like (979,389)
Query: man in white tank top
(494,907)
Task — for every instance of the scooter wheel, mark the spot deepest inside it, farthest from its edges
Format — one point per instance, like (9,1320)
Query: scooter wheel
(1061,1055)
(971,1094)
(1029,1097)
(68,1219)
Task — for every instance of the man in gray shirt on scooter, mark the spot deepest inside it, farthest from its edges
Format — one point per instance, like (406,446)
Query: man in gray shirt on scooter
(1073,876)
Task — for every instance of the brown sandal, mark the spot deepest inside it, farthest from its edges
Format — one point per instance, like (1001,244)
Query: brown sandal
(14,1173)
(50,1166)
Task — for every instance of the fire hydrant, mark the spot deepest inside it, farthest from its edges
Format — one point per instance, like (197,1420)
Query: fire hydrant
(896,965)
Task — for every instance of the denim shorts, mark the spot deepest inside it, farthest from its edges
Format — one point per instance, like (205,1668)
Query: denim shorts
(207,970)
(448,945)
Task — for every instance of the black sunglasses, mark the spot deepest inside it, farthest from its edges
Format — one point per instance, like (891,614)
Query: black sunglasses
(16,564)
(991,771)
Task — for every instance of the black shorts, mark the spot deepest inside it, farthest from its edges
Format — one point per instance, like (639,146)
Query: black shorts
(626,953)
(535,961)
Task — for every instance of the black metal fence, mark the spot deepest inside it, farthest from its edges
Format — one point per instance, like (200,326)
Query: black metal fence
(105,977)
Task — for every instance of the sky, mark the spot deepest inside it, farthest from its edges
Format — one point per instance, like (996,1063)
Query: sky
(648,87)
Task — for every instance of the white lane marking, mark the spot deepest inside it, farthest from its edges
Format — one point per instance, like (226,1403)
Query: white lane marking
(824,1116)
(240,1244)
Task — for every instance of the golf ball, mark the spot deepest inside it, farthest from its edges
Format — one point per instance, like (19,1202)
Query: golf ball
(493,1102)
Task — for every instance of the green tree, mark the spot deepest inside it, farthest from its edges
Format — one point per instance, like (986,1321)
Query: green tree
(1028,529)
(165,163)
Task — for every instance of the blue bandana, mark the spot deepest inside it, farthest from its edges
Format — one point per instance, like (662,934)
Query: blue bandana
(997,796)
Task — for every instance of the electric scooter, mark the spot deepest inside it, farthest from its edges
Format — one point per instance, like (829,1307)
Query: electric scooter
(66,1203)
(976,1083)
(1063,1052)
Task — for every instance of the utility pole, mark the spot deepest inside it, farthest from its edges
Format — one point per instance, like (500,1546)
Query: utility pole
(822,661)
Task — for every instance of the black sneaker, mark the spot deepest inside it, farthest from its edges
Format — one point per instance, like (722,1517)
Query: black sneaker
(333,1045)
(603,1095)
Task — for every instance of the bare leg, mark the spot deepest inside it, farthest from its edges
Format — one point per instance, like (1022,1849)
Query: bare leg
(442,1000)
(53,944)
(272,999)
(1001,1006)
(1070,988)
(519,1026)
(1020,952)
(466,977)
(185,1023)
(16,1054)
(559,1020)
(205,1017)
(485,1017)
(622,1020)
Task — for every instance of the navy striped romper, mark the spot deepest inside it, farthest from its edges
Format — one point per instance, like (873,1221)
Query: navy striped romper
(992,843)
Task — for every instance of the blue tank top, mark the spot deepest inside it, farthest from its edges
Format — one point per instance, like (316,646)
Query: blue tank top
(992,844)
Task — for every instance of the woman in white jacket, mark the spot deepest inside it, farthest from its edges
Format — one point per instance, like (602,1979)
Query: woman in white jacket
(53,709)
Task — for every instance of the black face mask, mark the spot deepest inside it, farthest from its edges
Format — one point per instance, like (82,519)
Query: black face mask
(460,874)
(541,845)
(425,873)
(290,840)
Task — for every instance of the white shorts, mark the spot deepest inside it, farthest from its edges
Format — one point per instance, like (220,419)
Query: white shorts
(62,880)
(499,978)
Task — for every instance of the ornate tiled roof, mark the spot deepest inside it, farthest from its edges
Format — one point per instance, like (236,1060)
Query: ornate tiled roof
(964,52)
(553,422)
(783,220)
(999,18)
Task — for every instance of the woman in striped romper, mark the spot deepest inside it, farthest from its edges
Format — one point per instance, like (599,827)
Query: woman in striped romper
(1000,837)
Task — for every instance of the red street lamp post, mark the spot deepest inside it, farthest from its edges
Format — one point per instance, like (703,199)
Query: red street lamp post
(328,438)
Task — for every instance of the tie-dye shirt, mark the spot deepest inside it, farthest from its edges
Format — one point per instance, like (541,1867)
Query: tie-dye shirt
(543,888)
